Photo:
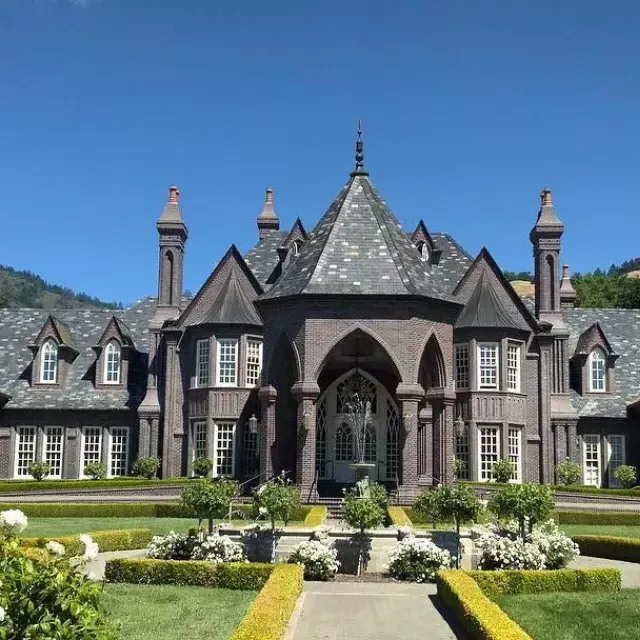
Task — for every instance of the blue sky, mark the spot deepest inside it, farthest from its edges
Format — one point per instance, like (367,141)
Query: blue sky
(469,109)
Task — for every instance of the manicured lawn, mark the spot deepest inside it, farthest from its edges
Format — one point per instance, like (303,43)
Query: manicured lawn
(167,612)
(576,616)
(624,530)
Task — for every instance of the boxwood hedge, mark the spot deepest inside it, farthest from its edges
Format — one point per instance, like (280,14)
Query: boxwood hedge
(117,540)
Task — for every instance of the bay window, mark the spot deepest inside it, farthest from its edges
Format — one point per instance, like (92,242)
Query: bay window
(118,451)
(52,450)
(253,363)
(515,453)
(202,363)
(227,363)
(25,450)
(488,451)
(224,448)
(200,439)
(461,364)
(488,365)
(513,367)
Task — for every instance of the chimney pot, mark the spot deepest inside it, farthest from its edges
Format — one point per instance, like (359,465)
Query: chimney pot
(565,271)
(545,197)
(174,193)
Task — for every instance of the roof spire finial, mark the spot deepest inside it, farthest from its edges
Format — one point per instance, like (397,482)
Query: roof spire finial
(359,170)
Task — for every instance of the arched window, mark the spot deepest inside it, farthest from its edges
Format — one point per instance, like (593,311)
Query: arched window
(295,247)
(597,371)
(112,363)
(170,275)
(423,250)
(370,444)
(321,439)
(49,362)
(344,443)
(393,441)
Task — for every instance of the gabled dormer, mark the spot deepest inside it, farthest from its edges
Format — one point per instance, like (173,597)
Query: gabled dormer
(424,244)
(113,355)
(290,249)
(53,351)
(592,365)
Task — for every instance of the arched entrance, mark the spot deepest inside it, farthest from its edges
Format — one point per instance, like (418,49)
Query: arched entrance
(338,443)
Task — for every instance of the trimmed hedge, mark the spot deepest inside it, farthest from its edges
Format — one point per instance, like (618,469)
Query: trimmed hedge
(268,615)
(198,573)
(316,516)
(399,517)
(117,540)
(481,618)
(573,488)
(515,582)
(612,547)
(598,517)
(17,486)
(99,509)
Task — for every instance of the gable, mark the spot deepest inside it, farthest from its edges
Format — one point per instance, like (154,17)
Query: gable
(593,337)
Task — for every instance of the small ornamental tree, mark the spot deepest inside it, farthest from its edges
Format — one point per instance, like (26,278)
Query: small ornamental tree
(626,475)
(146,467)
(279,499)
(568,472)
(502,471)
(527,503)
(428,504)
(202,466)
(39,470)
(459,468)
(361,514)
(209,498)
(95,470)
(378,493)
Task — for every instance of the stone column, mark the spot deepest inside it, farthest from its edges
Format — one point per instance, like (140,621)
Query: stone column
(267,432)
(409,396)
(306,394)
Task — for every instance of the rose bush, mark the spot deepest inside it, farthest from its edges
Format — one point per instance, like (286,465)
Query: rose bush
(173,546)
(417,560)
(217,548)
(318,559)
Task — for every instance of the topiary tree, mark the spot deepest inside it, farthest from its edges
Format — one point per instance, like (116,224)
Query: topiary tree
(39,470)
(626,475)
(95,470)
(428,504)
(146,467)
(202,466)
(279,498)
(362,514)
(209,498)
(568,472)
(502,471)
(527,503)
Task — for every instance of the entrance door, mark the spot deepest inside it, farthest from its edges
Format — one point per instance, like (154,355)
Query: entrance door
(345,449)
(591,458)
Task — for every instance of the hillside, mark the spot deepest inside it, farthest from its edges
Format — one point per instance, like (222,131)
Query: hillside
(26,289)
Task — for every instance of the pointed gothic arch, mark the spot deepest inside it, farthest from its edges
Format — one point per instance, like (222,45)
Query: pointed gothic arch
(431,371)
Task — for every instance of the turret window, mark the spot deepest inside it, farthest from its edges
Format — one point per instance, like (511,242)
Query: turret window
(202,363)
(227,363)
(488,365)
(49,363)
(597,370)
(513,367)
(254,362)
(423,250)
(462,365)
(112,363)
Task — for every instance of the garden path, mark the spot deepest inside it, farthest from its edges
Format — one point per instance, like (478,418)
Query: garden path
(367,611)
(630,570)
(95,568)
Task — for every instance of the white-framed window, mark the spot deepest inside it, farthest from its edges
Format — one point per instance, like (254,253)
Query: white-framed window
(488,365)
(462,454)
(49,362)
(514,452)
(370,444)
(616,456)
(393,441)
(52,449)
(203,351)
(91,447)
(224,453)
(462,365)
(227,363)
(200,439)
(295,247)
(344,443)
(25,450)
(251,466)
(423,251)
(597,371)
(321,438)
(254,362)
(513,367)
(488,451)
(591,459)
(112,363)
(118,451)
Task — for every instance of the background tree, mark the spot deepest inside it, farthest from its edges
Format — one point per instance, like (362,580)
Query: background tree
(209,498)
(527,503)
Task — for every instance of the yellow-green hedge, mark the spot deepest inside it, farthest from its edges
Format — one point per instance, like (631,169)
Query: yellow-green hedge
(612,547)
(316,516)
(399,517)
(497,583)
(481,618)
(118,540)
(269,613)
(598,517)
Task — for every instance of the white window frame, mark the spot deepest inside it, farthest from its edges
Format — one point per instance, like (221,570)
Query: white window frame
(83,445)
(113,433)
(496,349)
(219,427)
(484,472)
(462,365)
(49,355)
(591,439)
(112,356)
(31,458)
(595,388)
(513,366)
(48,434)
(203,363)
(611,470)
(200,429)
(462,451)
(223,342)
(252,342)
(514,452)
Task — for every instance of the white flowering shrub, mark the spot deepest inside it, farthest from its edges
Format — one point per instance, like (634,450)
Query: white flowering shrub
(173,546)
(417,560)
(217,548)
(55,548)
(13,522)
(318,559)
(559,550)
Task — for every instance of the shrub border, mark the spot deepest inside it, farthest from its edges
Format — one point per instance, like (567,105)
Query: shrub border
(21,486)
(316,516)
(598,517)
(399,517)
(115,540)
(611,547)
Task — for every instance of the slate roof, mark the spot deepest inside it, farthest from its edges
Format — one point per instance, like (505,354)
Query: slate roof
(484,309)
(358,247)
(263,258)
(231,305)
(454,260)
(19,328)
(622,329)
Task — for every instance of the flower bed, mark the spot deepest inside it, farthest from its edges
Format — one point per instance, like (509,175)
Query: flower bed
(611,547)
(119,540)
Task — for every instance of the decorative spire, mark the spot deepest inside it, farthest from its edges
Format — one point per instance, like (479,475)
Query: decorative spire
(268,219)
(359,170)
(568,294)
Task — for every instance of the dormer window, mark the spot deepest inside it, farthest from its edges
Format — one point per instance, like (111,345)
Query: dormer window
(112,363)
(423,250)
(597,371)
(295,247)
(49,362)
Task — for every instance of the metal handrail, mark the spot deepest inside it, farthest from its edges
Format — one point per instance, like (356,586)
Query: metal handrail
(266,482)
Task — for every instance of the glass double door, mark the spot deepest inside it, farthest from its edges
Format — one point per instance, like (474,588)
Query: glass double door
(345,447)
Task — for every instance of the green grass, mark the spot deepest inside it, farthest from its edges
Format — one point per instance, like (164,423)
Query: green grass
(576,616)
(623,530)
(167,612)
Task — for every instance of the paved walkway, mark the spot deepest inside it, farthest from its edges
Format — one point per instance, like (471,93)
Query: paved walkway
(630,570)
(367,611)
(95,569)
